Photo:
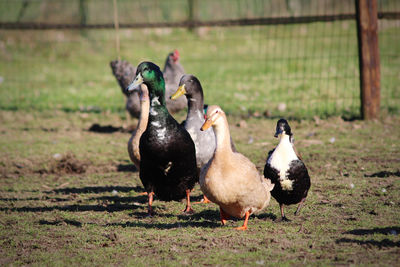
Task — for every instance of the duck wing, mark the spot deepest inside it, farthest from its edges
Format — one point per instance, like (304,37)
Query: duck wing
(168,166)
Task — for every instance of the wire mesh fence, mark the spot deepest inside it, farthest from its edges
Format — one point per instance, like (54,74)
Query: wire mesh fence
(293,58)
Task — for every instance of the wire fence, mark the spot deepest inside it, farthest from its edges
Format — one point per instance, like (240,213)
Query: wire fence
(293,58)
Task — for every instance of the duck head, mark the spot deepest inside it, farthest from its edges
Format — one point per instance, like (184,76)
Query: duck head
(149,74)
(189,85)
(174,56)
(282,128)
(213,116)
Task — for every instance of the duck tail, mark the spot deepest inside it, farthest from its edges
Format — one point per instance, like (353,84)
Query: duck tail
(268,185)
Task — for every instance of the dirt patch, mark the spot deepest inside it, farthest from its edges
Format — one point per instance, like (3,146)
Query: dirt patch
(66,164)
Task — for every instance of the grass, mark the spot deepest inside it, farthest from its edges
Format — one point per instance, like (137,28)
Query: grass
(70,196)
(53,214)
(298,71)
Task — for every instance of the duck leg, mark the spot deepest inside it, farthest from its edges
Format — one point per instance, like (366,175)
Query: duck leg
(150,208)
(205,200)
(246,219)
(188,208)
(300,206)
(283,217)
(223,216)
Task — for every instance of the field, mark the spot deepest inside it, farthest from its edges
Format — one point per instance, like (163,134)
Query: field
(309,69)
(70,196)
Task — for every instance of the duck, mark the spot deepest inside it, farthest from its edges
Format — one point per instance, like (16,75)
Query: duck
(230,179)
(168,167)
(204,141)
(285,168)
(172,72)
(124,72)
(133,143)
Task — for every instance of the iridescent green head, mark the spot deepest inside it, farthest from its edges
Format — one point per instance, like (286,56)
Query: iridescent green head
(151,75)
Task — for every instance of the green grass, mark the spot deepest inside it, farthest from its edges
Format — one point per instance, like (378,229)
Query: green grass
(56,84)
(312,68)
(49,217)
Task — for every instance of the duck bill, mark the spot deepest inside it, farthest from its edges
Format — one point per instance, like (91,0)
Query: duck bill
(279,131)
(135,85)
(207,124)
(180,92)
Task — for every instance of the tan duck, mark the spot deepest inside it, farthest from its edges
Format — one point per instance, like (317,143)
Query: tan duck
(230,179)
(133,143)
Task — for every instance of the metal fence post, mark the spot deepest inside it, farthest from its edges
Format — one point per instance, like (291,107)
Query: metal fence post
(368,53)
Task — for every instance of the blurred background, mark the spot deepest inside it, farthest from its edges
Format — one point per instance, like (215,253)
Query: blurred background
(292,58)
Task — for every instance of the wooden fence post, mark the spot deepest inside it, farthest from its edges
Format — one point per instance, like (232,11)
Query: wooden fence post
(192,15)
(368,53)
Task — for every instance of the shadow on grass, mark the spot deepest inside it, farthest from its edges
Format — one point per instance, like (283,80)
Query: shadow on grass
(210,214)
(160,226)
(270,216)
(386,231)
(214,215)
(96,189)
(74,208)
(127,168)
(97,128)
(117,199)
(383,174)
(381,244)
(36,199)
(69,222)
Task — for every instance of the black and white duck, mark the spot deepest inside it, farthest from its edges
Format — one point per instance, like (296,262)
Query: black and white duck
(287,171)
(167,153)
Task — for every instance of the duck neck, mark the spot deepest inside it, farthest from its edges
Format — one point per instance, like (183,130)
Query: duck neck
(223,137)
(144,113)
(285,147)
(195,104)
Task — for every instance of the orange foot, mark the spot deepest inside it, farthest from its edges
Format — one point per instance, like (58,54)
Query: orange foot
(143,194)
(188,209)
(223,216)
(205,200)
(244,226)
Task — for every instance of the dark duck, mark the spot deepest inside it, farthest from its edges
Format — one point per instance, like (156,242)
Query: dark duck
(287,171)
(124,72)
(167,153)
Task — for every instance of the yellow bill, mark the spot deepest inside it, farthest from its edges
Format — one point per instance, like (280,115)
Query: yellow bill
(180,92)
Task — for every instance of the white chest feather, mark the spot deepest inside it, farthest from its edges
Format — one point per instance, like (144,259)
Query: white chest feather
(161,133)
(280,160)
(154,102)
